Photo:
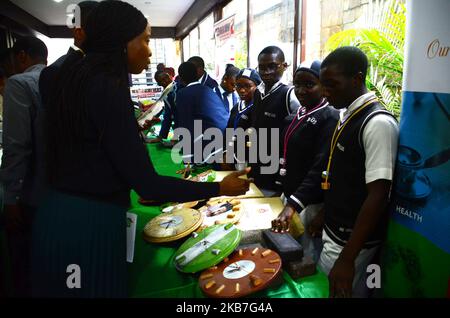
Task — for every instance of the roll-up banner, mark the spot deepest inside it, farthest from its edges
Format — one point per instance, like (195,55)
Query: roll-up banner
(416,258)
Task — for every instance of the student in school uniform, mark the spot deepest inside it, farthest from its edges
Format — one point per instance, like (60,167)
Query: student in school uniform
(197,102)
(227,90)
(273,101)
(304,151)
(358,177)
(202,76)
(247,81)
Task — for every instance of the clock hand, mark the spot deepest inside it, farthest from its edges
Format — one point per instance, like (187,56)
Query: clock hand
(169,223)
(233,270)
(243,268)
(234,267)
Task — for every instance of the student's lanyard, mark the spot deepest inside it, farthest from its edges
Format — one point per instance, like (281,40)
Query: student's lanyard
(334,140)
(241,113)
(292,128)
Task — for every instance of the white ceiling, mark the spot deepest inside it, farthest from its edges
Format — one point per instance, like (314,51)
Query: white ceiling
(160,13)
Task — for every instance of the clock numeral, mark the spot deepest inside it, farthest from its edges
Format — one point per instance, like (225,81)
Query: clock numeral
(219,290)
(210,284)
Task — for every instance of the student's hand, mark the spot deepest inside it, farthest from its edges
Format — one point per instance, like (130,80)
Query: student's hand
(13,218)
(156,140)
(283,221)
(232,185)
(341,278)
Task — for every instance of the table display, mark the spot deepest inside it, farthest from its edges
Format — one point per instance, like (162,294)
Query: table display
(153,274)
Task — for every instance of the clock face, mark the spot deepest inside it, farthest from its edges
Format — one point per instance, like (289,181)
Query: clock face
(172,226)
(239,269)
(171,221)
(246,271)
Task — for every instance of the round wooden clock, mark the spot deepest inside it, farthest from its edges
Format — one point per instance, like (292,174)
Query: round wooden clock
(207,248)
(245,272)
(172,226)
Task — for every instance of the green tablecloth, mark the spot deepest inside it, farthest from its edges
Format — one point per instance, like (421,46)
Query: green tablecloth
(152,274)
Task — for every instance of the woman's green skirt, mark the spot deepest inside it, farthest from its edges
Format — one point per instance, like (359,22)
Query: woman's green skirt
(79,248)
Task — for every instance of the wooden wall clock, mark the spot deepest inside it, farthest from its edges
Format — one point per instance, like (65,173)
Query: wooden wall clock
(245,272)
(173,226)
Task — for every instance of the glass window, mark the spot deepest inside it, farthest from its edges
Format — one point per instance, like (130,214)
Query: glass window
(186,48)
(193,37)
(238,8)
(207,44)
(273,24)
(163,51)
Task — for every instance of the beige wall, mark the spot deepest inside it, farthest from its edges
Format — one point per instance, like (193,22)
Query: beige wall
(327,17)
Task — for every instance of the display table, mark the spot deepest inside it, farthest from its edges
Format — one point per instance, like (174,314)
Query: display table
(152,273)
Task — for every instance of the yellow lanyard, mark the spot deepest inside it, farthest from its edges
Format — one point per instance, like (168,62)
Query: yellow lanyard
(334,139)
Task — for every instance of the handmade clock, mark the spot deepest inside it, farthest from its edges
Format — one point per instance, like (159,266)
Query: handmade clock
(207,248)
(245,272)
(172,226)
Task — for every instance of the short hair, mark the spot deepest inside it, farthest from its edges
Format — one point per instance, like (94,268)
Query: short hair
(188,72)
(161,74)
(350,59)
(32,46)
(231,71)
(85,8)
(197,61)
(157,73)
(160,65)
(273,50)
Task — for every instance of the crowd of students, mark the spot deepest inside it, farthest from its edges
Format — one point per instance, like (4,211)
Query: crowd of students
(73,152)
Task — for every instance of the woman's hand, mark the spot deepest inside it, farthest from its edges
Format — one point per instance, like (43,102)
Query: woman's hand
(232,185)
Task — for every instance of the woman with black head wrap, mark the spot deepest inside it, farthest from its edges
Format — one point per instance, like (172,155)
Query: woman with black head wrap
(94,158)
